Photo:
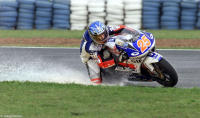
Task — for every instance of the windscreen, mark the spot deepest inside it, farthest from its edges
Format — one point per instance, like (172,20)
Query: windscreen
(133,34)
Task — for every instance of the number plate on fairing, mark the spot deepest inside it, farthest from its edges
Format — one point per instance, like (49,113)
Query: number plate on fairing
(141,46)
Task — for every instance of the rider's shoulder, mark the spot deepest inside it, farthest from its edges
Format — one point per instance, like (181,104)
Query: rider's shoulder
(86,36)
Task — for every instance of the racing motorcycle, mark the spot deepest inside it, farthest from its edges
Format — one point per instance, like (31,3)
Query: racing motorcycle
(134,53)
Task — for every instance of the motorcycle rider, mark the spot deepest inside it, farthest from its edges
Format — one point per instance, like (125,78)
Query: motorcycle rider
(92,44)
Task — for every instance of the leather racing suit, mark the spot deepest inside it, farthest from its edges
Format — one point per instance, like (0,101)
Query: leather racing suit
(89,52)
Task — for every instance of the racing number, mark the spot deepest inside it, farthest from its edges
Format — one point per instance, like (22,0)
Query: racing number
(143,43)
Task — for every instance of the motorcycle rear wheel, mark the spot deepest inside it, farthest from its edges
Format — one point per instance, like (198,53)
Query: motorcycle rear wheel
(170,76)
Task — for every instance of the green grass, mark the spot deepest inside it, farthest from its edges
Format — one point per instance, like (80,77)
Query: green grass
(40,34)
(176,34)
(159,34)
(50,100)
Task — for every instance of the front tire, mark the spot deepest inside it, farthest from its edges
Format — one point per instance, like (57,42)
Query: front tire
(170,77)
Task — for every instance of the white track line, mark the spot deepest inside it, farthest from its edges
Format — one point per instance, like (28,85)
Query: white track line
(79,48)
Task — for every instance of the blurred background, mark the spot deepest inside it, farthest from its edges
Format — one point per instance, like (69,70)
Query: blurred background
(77,14)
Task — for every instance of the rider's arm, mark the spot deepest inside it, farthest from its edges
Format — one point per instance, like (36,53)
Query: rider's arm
(110,44)
(87,51)
(116,30)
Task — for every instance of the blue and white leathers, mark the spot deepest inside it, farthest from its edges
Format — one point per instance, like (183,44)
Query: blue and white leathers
(88,47)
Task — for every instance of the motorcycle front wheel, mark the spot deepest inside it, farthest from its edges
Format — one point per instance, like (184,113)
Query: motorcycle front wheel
(169,76)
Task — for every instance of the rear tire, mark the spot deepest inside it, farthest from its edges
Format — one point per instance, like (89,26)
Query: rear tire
(170,75)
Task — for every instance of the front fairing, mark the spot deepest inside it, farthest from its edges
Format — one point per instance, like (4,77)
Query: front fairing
(140,47)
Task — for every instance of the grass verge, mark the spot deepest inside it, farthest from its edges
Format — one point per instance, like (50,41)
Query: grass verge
(68,34)
(50,100)
(176,34)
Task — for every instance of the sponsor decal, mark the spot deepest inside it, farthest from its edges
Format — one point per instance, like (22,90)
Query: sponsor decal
(151,36)
(136,60)
(135,53)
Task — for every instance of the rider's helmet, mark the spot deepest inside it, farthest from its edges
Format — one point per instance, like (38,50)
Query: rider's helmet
(98,32)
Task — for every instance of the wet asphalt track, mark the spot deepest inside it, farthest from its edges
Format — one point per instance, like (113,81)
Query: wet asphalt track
(14,61)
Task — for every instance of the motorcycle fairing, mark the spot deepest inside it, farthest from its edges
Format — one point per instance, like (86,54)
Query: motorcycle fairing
(140,47)
(151,58)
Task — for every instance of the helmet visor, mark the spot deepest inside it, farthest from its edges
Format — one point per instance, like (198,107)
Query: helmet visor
(101,39)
